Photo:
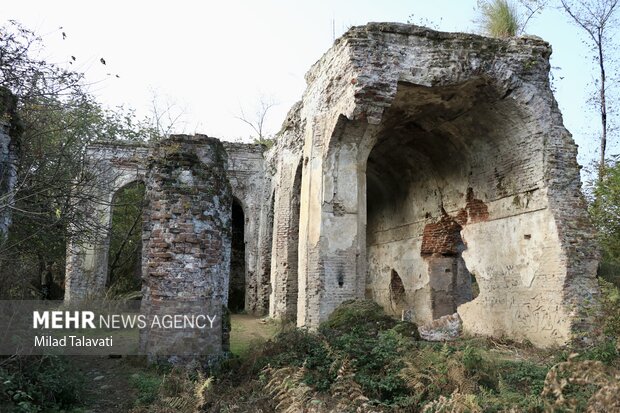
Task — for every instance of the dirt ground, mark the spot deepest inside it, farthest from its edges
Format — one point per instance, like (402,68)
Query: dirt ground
(249,330)
(107,386)
(107,381)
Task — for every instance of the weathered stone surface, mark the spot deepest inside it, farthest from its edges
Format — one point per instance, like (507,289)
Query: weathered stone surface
(186,251)
(436,155)
(416,162)
(115,166)
(444,328)
(248,179)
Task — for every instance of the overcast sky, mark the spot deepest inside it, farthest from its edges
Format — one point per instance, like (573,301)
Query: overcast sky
(213,58)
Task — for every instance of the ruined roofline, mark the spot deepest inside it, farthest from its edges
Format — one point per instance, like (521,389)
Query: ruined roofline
(422,31)
(241,145)
(148,145)
(412,30)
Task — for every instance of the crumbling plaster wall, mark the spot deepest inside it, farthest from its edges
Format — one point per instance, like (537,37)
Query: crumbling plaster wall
(486,101)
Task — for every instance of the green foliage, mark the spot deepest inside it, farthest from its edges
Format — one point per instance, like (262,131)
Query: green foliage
(38,384)
(177,390)
(604,351)
(610,302)
(266,142)
(147,384)
(59,119)
(499,18)
(358,314)
(126,240)
(525,377)
(604,209)
(358,354)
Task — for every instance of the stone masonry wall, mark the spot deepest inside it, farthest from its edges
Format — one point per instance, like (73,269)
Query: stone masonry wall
(415,162)
(187,236)
(114,166)
(248,179)
(482,132)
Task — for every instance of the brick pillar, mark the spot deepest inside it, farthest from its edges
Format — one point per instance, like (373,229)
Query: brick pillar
(187,239)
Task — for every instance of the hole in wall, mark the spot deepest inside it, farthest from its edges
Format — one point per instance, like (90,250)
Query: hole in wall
(340,279)
(397,288)
(475,288)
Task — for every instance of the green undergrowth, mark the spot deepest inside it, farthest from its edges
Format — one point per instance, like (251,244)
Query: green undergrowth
(363,360)
(39,384)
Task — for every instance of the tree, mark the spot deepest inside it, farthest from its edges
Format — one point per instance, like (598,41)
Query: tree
(257,122)
(532,8)
(604,208)
(126,240)
(598,19)
(59,120)
(166,115)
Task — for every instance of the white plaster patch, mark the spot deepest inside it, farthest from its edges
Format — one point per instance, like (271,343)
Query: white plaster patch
(340,232)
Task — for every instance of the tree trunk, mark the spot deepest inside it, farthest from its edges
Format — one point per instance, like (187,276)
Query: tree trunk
(603,108)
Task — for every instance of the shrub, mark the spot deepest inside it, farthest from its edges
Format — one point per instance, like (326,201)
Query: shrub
(38,383)
(358,314)
(148,387)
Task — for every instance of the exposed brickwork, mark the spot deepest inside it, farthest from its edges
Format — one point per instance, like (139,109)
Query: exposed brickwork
(373,173)
(477,210)
(442,237)
(187,230)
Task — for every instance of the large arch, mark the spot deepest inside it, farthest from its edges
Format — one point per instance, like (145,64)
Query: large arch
(427,178)
(470,170)
(114,166)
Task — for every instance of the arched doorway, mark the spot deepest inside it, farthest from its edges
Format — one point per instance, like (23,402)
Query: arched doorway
(236,286)
(124,275)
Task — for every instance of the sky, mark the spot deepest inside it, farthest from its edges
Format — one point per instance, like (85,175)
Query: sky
(211,60)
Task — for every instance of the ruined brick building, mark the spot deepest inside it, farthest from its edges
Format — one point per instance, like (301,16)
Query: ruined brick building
(417,164)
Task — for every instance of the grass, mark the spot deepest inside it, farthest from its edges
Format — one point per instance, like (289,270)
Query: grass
(249,333)
(499,18)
